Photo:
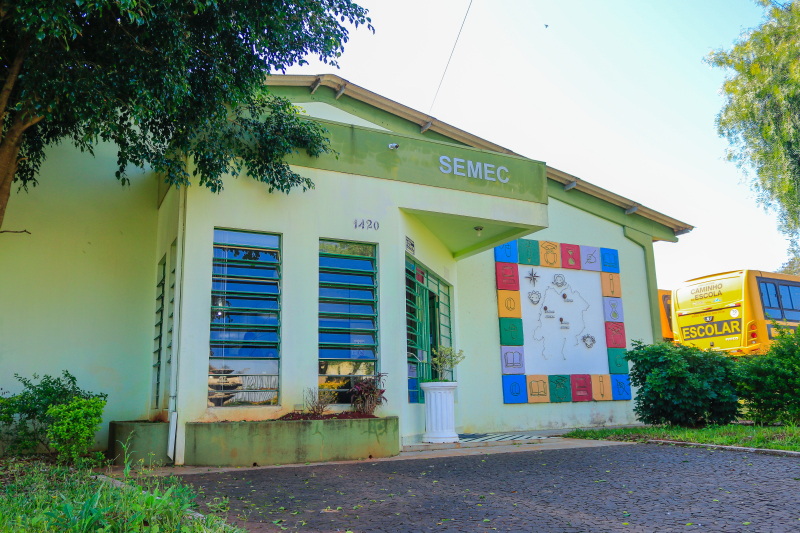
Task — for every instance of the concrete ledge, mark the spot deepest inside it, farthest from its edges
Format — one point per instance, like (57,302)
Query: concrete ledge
(765,451)
(147,441)
(272,442)
(425,446)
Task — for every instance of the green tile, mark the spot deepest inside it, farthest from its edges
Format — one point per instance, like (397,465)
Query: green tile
(616,361)
(528,252)
(560,389)
(511,332)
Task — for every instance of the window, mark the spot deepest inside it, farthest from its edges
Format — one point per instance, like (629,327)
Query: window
(170,323)
(348,315)
(427,324)
(244,357)
(790,301)
(158,333)
(769,298)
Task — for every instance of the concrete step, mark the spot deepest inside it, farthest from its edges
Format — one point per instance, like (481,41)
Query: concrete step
(425,446)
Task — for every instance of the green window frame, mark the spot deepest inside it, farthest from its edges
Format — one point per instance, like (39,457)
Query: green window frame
(348,315)
(168,398)
(158,333)
(428,324)
(244,348)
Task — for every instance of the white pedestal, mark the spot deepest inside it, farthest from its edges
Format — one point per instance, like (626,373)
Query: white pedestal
(440,412)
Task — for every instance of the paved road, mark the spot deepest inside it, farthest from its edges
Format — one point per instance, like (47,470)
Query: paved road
(616,488)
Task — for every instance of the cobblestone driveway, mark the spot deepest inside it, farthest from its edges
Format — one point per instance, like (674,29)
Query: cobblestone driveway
(619,488)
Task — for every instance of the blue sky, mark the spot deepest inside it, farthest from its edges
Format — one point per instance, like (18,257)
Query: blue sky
(613,91)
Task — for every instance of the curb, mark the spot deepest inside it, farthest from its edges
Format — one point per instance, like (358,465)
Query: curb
(763,451)
(425,447)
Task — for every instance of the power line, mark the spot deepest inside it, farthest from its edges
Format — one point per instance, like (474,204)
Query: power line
(451,56)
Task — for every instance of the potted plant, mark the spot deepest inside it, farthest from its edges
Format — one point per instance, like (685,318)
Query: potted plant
(440,401)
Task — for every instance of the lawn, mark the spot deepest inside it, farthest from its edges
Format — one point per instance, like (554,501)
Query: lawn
(767,437)
(39,496)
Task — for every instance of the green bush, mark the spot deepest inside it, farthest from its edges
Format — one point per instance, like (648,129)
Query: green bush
(24,418)
(683,385)
(769,383)
(74,424)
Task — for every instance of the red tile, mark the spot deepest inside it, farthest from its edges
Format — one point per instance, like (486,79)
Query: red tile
(615,334)
(507,276)
(581,387)
(570,256)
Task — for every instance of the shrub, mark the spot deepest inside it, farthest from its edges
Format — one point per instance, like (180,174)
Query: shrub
(74,424)
(317,401)
(24,420)
(367,394)
(683,385)
(769,383)
(445,360)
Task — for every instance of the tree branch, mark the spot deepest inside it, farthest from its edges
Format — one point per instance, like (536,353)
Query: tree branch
(8,86)
(10,231)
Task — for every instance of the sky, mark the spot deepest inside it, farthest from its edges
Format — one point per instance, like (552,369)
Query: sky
(615,92)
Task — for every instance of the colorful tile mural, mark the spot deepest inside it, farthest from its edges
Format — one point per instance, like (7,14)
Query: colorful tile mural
(562,324)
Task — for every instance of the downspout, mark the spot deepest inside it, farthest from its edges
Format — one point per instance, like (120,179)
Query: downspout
(173,403)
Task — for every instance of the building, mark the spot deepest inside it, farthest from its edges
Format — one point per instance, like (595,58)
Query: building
(188,306)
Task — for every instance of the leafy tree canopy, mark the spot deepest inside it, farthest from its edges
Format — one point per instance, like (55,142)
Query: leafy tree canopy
(761,115)
(164,81)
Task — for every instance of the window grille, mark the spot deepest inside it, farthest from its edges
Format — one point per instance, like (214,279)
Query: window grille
(427,324)
(244,357)
(348,315)
(158,333)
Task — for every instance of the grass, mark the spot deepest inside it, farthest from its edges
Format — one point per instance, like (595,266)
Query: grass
(39,496)
(785,437)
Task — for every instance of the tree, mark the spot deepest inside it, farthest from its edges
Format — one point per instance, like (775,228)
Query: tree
(164,81)
(761,114)
(792,266)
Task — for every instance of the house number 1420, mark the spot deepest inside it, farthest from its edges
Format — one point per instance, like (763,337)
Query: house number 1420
(366,224)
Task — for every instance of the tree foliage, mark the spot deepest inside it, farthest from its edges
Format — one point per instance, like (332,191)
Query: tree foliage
(761,114)
(165,82)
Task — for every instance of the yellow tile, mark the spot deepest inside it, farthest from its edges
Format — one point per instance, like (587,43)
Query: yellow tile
(549,254)
(538,389)
(508,304)
(611,284)
(601,388)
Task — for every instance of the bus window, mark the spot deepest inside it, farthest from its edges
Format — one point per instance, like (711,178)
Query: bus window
(769,297)
(790,300)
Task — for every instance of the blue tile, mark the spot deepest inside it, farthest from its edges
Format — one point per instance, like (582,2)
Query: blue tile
(413,396)
(620,387)
(609,260)
(413,384)
(514,389)
(507,253)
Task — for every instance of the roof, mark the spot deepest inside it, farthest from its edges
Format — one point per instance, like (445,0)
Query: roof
(427,122)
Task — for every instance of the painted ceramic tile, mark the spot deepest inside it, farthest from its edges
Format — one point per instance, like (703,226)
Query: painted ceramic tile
(612,309)
(413,383)
(570,256)
(508,304)
(590,258)
(412,370)
(611,285)
(514,389)
(512,359)
(609,260)
(538,389)
(549,254)
(617,364)
(413,396)
(601,388)
(511,332)
(528,252)
(560,389)
(507,276)
(615,335)
(620,386)
(506,253)
(581,387)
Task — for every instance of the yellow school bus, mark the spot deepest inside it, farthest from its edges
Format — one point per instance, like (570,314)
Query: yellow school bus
(734,311)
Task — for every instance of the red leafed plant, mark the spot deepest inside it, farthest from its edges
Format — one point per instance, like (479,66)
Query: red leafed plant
(367,394)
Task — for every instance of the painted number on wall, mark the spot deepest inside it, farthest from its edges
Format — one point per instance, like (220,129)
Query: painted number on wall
(366,224)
